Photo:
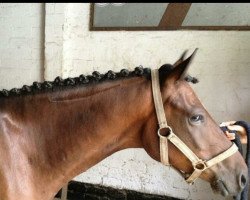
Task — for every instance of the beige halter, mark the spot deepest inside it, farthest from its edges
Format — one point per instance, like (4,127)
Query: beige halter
(199,165)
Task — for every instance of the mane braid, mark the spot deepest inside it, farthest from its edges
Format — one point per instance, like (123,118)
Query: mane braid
(60,83)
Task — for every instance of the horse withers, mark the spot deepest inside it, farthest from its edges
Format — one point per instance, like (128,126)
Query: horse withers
(52,131)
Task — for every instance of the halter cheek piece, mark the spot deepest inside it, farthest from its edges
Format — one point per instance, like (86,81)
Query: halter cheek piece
(165,133)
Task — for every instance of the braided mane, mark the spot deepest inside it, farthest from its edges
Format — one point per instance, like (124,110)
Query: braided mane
(60,83)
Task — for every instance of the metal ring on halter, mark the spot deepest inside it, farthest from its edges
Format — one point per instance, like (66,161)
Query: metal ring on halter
(169,132)
(201,165)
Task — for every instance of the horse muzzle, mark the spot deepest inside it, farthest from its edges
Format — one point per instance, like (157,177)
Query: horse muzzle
(230,188)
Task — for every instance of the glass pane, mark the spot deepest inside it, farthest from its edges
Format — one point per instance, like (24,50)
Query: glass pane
(128,14)
(218,14)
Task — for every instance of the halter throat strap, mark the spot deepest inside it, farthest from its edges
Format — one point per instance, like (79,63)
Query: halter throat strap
(165,133)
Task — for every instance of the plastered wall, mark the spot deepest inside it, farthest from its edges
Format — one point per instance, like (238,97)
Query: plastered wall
(70,49)
(21,46)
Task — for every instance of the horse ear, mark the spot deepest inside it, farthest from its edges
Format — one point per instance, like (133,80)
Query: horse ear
(180,69)
(180,60)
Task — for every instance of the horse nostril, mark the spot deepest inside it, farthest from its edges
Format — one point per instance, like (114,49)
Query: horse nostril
(243,181)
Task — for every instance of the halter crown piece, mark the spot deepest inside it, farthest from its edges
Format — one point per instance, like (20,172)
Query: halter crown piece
(165,133)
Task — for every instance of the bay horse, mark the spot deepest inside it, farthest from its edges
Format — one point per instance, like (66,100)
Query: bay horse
(52,131)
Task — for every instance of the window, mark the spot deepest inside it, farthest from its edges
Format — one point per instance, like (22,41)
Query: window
(169,16)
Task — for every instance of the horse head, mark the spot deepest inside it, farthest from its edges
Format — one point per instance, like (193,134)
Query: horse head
(217,160)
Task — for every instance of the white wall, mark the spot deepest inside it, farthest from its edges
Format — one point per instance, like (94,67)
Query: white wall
(71,49)
(21,46)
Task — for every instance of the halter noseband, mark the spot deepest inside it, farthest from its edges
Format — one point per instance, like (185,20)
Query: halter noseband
(165,133)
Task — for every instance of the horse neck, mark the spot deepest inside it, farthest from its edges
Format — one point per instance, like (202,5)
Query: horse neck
(71,131)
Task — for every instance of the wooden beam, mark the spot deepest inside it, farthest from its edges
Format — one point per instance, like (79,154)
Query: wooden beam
(174,15)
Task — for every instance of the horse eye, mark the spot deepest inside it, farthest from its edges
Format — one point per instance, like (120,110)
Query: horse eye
(196,118)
